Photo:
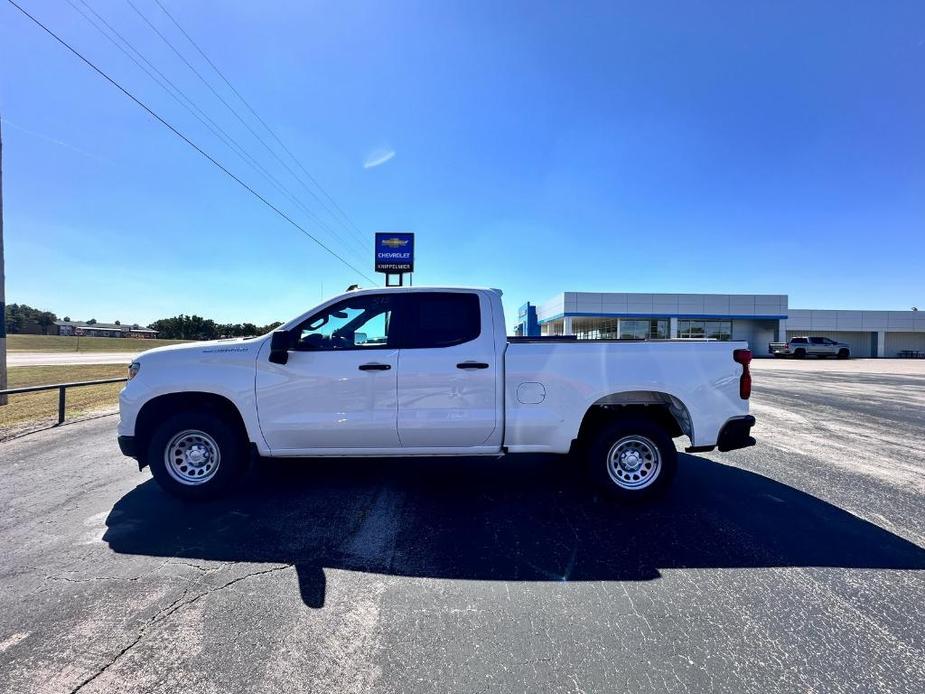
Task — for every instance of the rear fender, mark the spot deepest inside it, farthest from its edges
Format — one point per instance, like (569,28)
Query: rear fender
(666,409)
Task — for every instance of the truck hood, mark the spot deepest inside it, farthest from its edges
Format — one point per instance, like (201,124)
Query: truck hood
(204,349)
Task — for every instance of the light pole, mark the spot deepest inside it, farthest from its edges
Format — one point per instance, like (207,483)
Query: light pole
(3,381)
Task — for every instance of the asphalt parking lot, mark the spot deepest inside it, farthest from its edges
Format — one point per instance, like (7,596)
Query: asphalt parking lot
(794,566)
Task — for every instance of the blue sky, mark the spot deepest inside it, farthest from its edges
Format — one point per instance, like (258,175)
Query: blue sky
(678,147)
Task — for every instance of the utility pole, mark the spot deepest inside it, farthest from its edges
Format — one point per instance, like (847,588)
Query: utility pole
(3,381)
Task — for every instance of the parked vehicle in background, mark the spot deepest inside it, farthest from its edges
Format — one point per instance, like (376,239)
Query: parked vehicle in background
(802,347)
(430,372)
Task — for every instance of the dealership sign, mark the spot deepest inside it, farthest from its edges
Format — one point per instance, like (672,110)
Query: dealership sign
(394,252)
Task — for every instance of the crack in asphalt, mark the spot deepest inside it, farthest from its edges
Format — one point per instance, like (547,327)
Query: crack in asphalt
(163,614)
(91,579)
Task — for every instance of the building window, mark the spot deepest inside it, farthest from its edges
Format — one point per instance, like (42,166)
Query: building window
(552,329)
(621,328)
(595,328)
(709,329)
(645,329)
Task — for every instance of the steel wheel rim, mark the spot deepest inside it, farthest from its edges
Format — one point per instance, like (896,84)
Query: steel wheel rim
(634,462)
(192,457)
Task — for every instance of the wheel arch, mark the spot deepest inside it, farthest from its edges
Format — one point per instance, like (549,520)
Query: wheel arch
(158,408)
(663,408)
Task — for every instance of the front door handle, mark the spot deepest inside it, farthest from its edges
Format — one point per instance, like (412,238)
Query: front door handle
(373,366)
(472,365)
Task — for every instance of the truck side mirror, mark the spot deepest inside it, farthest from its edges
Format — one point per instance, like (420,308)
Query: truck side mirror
(280,344)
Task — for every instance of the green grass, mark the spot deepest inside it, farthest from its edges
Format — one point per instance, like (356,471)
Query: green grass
(61,343)
(27,411)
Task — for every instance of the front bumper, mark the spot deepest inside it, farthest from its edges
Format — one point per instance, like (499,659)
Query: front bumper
(127,446)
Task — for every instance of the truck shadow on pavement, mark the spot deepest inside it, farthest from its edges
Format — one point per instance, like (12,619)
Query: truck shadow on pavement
(515,519)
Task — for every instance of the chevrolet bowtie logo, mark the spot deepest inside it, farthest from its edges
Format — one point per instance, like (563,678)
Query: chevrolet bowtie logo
(394,243)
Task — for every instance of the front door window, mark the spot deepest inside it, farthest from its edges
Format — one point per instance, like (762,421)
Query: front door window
(362,322)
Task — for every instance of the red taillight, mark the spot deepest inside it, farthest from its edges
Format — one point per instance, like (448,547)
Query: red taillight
(744,357)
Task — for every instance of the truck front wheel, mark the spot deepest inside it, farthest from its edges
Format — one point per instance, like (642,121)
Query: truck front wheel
(196,455)
(633,459)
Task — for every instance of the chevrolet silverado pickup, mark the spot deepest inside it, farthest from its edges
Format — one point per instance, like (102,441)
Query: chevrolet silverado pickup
(802,347)
(429,372)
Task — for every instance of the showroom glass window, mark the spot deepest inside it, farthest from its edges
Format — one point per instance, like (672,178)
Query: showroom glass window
(700,329)
(622,329)
(595,328)
(643,329)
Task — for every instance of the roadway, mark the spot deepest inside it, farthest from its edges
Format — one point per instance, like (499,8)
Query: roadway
(796,565)
(68,358)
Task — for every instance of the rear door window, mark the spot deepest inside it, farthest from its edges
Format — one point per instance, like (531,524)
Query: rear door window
(439,319)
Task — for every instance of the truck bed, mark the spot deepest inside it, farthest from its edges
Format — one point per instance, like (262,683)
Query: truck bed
(550,384)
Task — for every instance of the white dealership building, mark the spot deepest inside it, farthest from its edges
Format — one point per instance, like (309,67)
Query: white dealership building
(756,318)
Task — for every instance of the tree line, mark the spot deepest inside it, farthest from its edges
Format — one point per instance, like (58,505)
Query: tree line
(194,327)
(21,318)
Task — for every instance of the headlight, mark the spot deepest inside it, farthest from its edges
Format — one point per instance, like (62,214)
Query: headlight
(133,369)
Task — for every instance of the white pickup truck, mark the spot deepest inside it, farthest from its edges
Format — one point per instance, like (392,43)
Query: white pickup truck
(429,372)
(802,347)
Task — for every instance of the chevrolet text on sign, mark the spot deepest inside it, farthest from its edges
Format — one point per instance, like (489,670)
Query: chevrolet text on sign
(394,252)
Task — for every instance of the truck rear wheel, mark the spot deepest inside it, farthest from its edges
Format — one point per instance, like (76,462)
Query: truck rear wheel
(800,353)
(632,459)
(196,455)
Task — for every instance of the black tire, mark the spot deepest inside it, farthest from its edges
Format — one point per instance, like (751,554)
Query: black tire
(800,354)
(615,480)
(204,430)
(843,354)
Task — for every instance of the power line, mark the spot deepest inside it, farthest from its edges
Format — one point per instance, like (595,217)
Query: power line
(218,96)
(337,236)
(183,137)
(358,241)
(257,116)
(162,80)
(175,92)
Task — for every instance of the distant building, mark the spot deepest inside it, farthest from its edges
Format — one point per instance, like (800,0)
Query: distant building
(756,318)
(83,329)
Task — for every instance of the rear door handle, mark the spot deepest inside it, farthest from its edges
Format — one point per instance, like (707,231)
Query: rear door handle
(472,365)
(373,366)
